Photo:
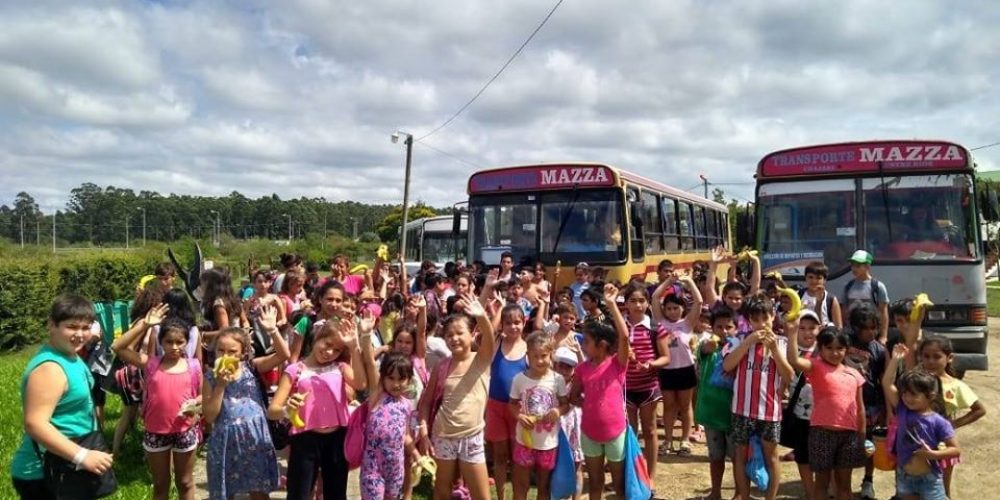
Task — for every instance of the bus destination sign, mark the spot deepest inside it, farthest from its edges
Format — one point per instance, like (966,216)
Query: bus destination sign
(864,157)
(541,177)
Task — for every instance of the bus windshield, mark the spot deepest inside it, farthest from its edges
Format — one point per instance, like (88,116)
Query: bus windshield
(926,217)
(904,218)
(567,226)
(808,221)
(443,247)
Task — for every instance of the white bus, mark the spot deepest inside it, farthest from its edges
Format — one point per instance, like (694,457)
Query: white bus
(910,203)
(435,239)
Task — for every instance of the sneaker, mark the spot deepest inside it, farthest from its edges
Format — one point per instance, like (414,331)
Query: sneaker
(684,450)
(666,448)
(867,490)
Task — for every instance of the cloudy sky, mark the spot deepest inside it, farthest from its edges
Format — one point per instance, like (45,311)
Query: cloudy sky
(299,97)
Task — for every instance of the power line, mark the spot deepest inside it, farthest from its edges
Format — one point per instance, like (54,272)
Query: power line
(495,76)
(986,146)
(449,155)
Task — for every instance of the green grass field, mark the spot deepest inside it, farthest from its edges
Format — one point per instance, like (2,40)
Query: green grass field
(133,476)
(993,302)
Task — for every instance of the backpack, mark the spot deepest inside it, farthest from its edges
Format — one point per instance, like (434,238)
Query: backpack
(875,286)
(307,337)
(354,440)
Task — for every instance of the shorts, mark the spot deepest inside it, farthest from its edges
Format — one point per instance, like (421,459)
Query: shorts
(526,457)
(97,393)
(744,427)
(613,449)
(178,442)
(800,441)
(720,446)
(32,489)
(471,449)
(678,379)
(500,423)
(640,398)
(835,449)
(928,486)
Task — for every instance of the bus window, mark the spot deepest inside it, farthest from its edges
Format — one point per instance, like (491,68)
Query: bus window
(686,225)
(671,242)
(920,217)
(590,223)
(508,224)
(701,238)
(652,225)
(712,220)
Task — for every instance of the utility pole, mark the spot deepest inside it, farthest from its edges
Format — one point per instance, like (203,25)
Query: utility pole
(704,182)
(126,231)
(54,231)
(143,226)
(324,224)
(355,232)
(38,231)
(22,230)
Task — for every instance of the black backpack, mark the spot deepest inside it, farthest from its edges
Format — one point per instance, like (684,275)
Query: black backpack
(875,287)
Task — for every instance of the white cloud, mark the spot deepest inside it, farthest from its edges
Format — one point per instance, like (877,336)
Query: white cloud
(300,98)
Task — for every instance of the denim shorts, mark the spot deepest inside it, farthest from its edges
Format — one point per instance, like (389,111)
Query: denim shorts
(928,486)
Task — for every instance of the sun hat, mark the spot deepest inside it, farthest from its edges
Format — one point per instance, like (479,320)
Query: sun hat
(566,355)
(861,257)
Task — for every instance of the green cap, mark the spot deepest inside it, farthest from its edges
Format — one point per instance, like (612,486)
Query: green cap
(862,257)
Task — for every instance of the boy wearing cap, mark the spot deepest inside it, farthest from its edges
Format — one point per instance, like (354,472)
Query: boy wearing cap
(865,289)
(565,361)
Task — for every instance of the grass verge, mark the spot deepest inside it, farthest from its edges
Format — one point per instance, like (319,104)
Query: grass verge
(130,468)
(993,301)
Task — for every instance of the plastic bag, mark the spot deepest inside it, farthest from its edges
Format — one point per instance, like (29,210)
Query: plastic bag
(354,441)
(637,483)
(756,469)
(563,484)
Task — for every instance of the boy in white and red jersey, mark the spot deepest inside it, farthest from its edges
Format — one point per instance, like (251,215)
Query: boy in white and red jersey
(761,369)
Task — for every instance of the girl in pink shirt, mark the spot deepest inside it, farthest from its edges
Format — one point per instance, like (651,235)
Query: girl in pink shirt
(837,423)
(173,398)
(316,388)
(599,387)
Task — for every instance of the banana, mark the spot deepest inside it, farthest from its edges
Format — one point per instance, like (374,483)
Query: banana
(424,463)
(746,254)
(793,296)
(920,302)
(225,363)
(526,437)
(293,415)
(383,253)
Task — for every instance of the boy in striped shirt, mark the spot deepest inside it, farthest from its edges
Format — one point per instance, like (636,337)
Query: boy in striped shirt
(761,369)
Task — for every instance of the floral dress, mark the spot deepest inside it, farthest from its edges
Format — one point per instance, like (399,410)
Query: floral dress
(382,468)
(241,458)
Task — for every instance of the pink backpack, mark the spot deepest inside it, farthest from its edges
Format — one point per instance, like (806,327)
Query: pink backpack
(354,441)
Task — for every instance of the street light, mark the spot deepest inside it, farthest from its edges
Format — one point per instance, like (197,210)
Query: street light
(143,226)
(406,186)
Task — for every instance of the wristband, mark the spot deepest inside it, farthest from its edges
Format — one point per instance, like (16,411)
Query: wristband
(80,456)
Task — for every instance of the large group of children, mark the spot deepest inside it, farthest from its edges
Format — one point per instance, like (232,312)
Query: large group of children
(483,369)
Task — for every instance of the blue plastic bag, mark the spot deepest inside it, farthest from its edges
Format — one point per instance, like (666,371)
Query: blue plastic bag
(720,378)
(563,483)
(637,483)
(756,469)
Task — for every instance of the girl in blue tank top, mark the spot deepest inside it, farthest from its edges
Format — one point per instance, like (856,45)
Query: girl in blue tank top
(509,360)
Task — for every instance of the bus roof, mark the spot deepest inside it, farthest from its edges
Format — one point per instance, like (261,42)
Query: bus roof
(545,177)
(855,158)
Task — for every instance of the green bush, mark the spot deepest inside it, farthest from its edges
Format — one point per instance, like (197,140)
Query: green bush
(29,284)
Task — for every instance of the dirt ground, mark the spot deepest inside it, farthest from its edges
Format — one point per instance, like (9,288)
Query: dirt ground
(684,478)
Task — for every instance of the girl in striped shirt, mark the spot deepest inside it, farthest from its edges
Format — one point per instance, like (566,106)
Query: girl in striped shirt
(642,390)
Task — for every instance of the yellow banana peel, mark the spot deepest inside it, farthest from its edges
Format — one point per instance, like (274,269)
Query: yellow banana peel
(527,439)
(293,415)
(793,296)
(382,253)
(225,363)
(920,302)
(422,464)
(746,254)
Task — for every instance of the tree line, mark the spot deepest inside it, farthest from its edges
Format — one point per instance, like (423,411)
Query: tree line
(104,216)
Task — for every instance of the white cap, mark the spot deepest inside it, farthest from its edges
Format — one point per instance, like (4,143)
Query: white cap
(566,355)
(809,313)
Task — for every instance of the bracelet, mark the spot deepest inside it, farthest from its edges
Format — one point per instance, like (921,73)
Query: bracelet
(80,456)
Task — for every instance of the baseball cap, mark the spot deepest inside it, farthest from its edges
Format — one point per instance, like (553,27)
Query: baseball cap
(565,355)
(809,313)
(861,257)
(583,265)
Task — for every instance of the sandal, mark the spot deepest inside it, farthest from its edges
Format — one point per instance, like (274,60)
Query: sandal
(666,448)
(684,450)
